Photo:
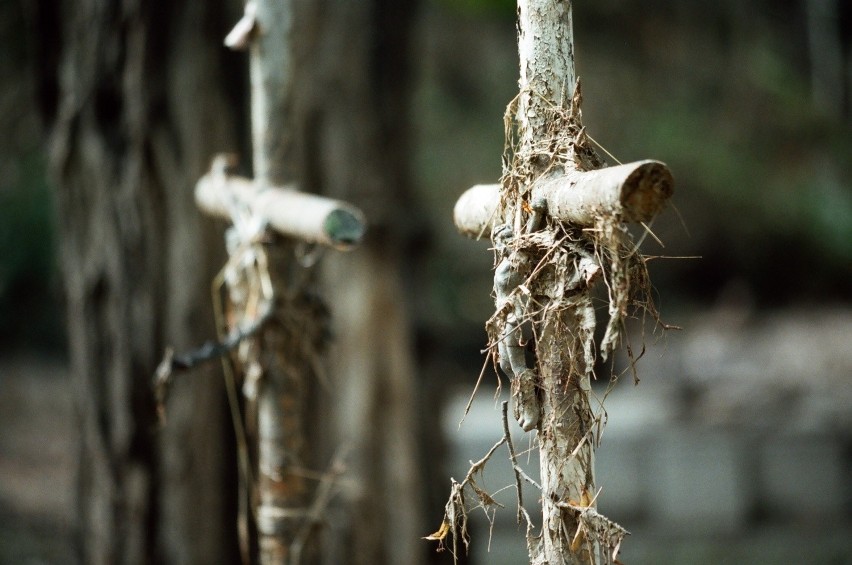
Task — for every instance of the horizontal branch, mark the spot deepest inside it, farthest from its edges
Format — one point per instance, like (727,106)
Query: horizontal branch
(300,215)
(634,192)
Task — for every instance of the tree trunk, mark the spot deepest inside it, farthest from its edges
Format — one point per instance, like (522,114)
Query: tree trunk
(140,106)
(546,49)
(352,124)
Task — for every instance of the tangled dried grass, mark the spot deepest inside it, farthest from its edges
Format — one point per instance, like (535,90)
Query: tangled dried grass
(568,259)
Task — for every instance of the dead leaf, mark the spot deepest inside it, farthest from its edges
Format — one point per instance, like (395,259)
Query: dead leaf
(441,533)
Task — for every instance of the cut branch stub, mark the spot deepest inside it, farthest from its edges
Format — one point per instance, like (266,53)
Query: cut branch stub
(475,212)
(634,192)
(303,216)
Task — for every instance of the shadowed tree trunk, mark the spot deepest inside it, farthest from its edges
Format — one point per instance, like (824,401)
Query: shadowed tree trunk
(352,115)
(135,97)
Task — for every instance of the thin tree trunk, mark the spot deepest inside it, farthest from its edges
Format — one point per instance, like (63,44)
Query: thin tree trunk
(558,227)
(328,99)
(288,346)
(141,107)
(546,49)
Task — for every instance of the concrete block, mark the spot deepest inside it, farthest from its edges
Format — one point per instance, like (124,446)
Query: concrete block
(803,477)
(622,480)
(695,481)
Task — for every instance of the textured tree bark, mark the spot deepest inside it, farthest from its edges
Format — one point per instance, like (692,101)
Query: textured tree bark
(136,83)
(546,49)
(566,451)
(554,188)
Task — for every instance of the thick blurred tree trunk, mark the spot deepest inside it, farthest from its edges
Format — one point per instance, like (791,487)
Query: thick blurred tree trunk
(352,115)
(134,94)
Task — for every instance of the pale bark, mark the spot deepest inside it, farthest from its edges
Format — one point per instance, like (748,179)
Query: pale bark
(272,71)
(299,215)
(565,438)
(343,136)
(546,49)
(475,212)
(633,192)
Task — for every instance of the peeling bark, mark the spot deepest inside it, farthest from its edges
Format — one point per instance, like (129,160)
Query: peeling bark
(546,50)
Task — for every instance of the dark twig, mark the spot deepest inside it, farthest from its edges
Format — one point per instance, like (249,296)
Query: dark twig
(208,351)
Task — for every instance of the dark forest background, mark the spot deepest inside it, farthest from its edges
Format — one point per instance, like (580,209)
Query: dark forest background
(749,103)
